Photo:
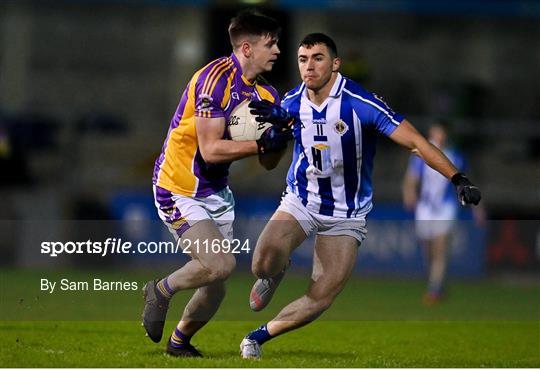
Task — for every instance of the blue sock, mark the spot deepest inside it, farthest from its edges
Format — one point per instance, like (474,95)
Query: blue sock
(260,335)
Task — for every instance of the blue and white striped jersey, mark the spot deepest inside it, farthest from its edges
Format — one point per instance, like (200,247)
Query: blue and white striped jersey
(437,199)
(335,146)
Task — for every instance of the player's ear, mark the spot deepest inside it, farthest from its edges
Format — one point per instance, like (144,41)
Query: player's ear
(246,49)
(336,64)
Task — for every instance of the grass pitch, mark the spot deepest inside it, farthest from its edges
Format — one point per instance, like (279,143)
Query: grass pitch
(374,323)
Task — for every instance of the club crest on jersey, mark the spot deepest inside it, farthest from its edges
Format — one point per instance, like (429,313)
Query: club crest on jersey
(206,100)
(340,127)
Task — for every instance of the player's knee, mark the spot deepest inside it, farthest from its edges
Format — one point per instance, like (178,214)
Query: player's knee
(268,261)
(265,268)
(220,268)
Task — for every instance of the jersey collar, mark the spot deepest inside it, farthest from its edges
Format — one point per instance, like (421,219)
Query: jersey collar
(339,83)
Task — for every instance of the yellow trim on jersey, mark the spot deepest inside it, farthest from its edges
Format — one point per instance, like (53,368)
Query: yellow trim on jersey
(264,93)
(210,86)
(211,73)
(227,95)
(176,224)
(246,81)
(176,172)
(214,83)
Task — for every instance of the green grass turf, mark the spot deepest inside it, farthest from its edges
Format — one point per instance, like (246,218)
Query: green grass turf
(373,323)
(322,344)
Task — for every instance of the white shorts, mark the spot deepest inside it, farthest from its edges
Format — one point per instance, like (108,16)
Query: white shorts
(323,225)
(432,222)
(179,212)
(430,229)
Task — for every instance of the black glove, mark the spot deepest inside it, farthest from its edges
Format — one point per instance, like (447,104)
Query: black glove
(467,193)
(272,113)
(274,139)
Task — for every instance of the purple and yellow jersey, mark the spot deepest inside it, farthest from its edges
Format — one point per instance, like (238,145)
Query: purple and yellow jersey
(213,92)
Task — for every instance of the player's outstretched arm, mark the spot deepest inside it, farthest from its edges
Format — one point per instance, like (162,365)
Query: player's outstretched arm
(216,150)
(406,135)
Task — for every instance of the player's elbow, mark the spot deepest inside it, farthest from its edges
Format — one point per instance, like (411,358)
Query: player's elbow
(208,154)
(421,147)
(414,150)
(210,159)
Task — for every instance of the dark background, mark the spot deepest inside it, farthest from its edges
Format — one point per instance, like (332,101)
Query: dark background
(87,89)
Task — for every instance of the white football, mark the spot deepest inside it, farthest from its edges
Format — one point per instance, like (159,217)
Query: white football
(242,125)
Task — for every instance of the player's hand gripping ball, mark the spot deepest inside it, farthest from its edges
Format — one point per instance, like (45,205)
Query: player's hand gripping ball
(269,112)
(466,191)
(243,125)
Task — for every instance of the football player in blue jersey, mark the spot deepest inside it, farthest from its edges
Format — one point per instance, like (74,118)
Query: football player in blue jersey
(430,196)
(335,126)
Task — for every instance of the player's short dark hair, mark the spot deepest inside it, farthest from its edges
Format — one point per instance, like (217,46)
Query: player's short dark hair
(320,38)
(252,23)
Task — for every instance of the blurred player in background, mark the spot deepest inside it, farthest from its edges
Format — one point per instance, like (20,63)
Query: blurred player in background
(329,189)
(190,175)
(432,198)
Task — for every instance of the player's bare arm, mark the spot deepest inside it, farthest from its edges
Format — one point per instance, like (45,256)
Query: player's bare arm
(406,135)
(214,149)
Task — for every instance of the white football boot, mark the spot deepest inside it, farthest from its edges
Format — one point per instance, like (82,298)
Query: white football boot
(250,349)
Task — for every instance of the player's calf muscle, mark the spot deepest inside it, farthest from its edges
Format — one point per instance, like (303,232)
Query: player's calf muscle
(320,304)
